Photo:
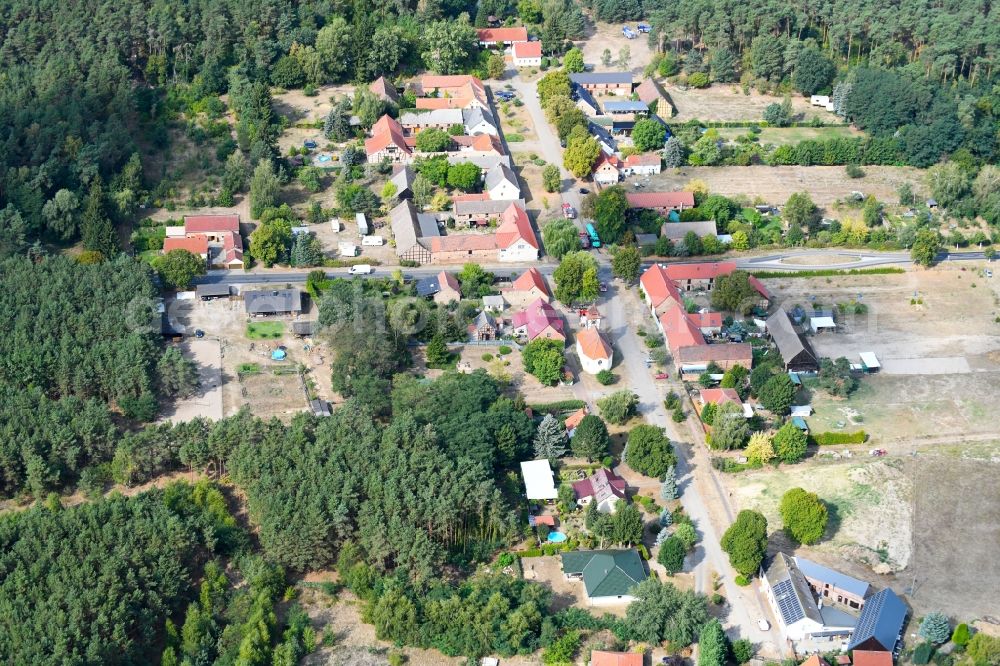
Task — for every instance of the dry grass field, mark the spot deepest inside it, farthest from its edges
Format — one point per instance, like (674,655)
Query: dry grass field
(722,102)
(773,185)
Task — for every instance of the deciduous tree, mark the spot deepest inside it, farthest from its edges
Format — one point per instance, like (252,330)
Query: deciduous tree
(804,515)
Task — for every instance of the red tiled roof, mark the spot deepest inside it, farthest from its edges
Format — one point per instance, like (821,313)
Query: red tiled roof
(527,49)
(601,658)
(658,286)
(528,279)
(706,319)
(734,351)
(519,34)
(544,520)
(872,658)
(660,199)
(679,330)
(573,420)
(196,244)
(476,196)
(644,159)
(514,226)
(717,396)
(200,224)
(386,132)
(759,286)
(592,344)
(604,158)
(446,278)
(463,243)
(443,81)
(386,123)
(703,271)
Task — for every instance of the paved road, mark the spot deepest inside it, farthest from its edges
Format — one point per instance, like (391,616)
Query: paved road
(624,314)
(767,262)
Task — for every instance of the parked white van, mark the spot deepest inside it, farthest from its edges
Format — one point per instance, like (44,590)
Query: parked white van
(361,269)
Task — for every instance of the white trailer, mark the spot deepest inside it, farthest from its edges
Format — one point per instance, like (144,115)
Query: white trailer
(362,222)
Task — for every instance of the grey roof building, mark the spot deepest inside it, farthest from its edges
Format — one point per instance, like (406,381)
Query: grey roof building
(832,579)
(303,328)
(427,286)
(499,174)
(209,291)
(403,180)
(601,78)
(409,228)
(880,626)
(272,302)
(581,94)
(626,106)
(484,162)
(603,136)
(795,350)
(475,117)
(434,118)
(794,605)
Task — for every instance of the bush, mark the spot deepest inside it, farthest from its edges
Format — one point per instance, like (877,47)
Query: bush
(606,377)
(742,650)
(503,350)
(718,599)
(671,555)
(961,635)
(805,517)
(854,171)
(835,438)
(487,357)
(678,415)
(618,407)
(698,80)
(672,401)
(558,406)
(741,580)
(922,654)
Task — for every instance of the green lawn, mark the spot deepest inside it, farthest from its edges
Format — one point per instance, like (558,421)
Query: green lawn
(789,135)
(265,330)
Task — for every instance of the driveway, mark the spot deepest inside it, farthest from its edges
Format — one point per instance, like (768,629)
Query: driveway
(700,490)
(548,141)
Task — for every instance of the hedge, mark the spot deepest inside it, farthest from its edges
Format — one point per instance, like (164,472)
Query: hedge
(353,261)
(826,272)
(757,123)
(831,438)
(560,406)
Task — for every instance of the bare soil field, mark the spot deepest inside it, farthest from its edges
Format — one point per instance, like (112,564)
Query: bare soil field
(600,36)
(956,518)
(206,401)
(721,103)
(773,185)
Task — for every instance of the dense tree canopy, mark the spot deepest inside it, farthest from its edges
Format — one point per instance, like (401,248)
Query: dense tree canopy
(128,561)
(84,330)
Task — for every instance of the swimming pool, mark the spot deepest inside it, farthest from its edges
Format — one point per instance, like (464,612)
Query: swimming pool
(556,537)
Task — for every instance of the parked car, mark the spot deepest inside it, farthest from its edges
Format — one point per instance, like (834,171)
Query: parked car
(584,190)
(877,453)
(763,625)
(643,27)
(584,240)
(661,375)
(604,287)
(360,269)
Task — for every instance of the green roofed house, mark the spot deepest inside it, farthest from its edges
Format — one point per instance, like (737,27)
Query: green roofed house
(608,575)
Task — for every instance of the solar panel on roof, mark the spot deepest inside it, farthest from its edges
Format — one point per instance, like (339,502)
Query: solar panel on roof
(788,603)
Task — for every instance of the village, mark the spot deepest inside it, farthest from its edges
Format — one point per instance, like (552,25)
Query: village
(495,333)
(742,374)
